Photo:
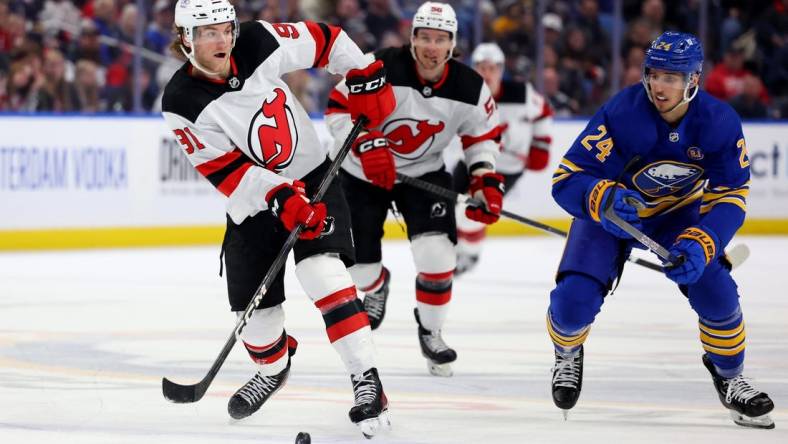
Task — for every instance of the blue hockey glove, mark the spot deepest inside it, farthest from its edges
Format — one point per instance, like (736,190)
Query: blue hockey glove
(698,245)
(598,196)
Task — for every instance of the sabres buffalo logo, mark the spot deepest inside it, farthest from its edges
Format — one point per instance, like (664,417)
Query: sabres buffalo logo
(666,177)
(273,136)
(411,138)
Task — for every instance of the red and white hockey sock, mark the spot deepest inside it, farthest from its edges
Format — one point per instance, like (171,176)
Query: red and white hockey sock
(266,341)
(433,294)
(327,282)
(470,242)
(377,282)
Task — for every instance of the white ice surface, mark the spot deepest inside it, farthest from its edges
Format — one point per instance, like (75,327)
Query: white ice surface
(85,338)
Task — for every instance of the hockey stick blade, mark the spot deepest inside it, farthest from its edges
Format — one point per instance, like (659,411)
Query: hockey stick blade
(737,255)
(182,394)
(192,393)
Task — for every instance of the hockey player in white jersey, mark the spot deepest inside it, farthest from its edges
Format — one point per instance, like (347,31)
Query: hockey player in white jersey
(438,99)
(243,129)
(526,134)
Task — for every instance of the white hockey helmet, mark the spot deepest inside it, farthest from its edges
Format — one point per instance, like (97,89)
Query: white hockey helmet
(488,52)
(190,14)
(434,15)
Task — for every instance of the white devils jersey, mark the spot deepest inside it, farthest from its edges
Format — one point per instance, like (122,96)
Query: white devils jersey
(248,133)
(427,116)
(526,124)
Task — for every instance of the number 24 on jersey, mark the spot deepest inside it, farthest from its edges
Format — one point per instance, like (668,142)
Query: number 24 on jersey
(599,142)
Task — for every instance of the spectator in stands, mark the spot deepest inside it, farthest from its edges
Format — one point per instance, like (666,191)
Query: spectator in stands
(562,104)
(510,13)
(24,83)
(639,35)
(88,45)
(653,12)
(553,26)
(159,32)
(749,103)
(58,16)
(380,18)
(127,23)
(86,81)
(588,21)
(57,93)
(104,18)
(12,33)
(726,80)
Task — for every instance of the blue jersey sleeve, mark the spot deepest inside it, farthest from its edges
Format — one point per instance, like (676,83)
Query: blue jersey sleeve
(583,165)
(728,170)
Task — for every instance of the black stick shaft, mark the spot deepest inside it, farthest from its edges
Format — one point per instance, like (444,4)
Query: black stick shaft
(462,198)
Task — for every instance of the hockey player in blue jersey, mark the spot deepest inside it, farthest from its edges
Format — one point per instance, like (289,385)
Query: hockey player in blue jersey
(679,155)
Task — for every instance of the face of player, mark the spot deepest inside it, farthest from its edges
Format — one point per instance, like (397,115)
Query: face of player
(212,45)
(667,88)
(431,47)
(492,73)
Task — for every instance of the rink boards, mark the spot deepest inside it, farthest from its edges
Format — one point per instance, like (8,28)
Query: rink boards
(76,182)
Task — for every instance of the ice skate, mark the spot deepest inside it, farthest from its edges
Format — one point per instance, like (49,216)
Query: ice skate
(370,412)
(465,262)
(567,380)
(249,398)
(438,354)
(375,302)
(748,406)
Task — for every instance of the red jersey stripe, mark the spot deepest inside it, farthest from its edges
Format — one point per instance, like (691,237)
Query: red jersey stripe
(212,166)
(494,135)
(229,184)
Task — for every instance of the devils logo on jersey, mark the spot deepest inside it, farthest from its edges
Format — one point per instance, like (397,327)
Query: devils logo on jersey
(411,138)
(273,135)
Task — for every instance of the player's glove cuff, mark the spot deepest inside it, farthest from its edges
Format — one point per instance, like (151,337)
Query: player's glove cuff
(707,239)
(595,195)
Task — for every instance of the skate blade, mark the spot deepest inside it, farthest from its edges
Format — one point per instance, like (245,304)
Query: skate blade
(756,422)
(565,412)
(372,426)
(442,370)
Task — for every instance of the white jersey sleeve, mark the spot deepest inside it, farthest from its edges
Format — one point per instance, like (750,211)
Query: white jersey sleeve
(526,128)
(309,44)
(217,158)
(480,132)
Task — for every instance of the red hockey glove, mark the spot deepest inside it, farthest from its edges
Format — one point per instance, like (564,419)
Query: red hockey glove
(537,159)
(290,205)
(369,94)
(376,159)
(487,188)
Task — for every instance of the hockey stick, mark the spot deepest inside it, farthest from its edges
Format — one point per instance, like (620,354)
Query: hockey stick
(736,255)
(192,393)
(651,244)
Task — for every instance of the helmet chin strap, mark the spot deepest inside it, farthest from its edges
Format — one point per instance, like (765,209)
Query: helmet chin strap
(416,58)
(193,60)
(686,95)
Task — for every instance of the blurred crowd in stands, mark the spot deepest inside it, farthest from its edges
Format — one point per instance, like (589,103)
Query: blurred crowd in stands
(77,56)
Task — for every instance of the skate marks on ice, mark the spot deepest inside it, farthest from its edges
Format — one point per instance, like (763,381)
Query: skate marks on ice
(84,343)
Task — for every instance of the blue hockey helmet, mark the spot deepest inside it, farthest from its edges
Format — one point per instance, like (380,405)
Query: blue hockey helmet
(675,52)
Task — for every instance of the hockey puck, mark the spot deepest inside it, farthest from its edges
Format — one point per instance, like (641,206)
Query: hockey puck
(303,438)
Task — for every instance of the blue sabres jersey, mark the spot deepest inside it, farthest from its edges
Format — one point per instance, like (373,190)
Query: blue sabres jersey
(702,162)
